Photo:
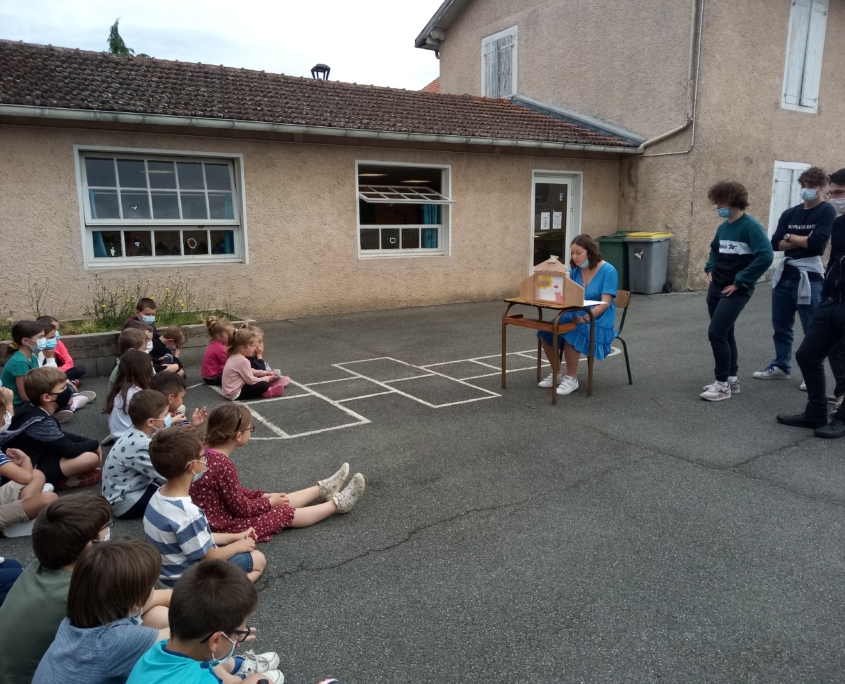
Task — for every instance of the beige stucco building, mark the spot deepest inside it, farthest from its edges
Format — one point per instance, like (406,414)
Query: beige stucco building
(750,89)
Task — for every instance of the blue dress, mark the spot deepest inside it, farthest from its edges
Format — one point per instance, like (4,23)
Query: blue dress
(605,281)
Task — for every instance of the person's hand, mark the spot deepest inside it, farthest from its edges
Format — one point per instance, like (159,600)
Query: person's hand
(729,290)
(199,417)
(16,456)
(710,276)
(176,418)
(8,395)
(279,500)
(244,545)
(250,534)
(582,319)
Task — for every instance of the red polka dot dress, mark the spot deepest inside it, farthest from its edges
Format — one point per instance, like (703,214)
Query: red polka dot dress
(230,507)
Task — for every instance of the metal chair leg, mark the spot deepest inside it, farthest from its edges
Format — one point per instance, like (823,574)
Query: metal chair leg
(627,363)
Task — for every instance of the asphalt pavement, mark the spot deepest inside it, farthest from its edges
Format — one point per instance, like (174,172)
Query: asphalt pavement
(641,535)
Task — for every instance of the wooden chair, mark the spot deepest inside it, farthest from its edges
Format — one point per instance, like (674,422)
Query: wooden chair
(623,298)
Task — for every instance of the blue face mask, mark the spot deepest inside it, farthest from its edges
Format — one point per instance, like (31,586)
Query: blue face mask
(58,336)
(51,344)
(724,212)
(40,345)
(586,264)
(148,319)
(136,620)
(214,661)
(168,420)
(809,194)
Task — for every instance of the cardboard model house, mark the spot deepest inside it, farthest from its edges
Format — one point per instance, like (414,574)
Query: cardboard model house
(551,283)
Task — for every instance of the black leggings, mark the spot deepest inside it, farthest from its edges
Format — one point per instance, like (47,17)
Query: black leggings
(217,380)
(74,373)
(724,310)
(253,391)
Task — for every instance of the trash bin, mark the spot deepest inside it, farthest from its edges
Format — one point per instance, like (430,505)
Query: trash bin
(615,252)
(648,261)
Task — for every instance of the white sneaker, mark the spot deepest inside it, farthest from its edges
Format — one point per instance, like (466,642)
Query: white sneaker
(771,373)
(47,488)
(567,386)
(332,485)
(734,386)
(350,494)
(78,401)
(547,381)
(21,529)
(258,662)
(803,387)
(275,676)
(716,392)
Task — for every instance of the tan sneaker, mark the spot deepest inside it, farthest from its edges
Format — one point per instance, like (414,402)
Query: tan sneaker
(332,485)
(351,494)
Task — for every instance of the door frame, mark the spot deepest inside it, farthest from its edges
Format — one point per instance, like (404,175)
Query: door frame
(575,181)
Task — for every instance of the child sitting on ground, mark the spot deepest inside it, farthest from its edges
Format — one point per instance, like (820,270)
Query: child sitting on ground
(129,338)
(102,637)
(171,340)
(176,526)
(229,507)
(67,460)
(134,374)
(174,387)
(208,614)
(37,602)
(129,479)
(22,356)
(145,312)
(64,360)
(215,354)
(71,400)
(22,493)
(240,381)
(257,359)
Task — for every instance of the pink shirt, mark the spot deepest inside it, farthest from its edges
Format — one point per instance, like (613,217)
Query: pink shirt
(213,360)
(63,358)
(236,374)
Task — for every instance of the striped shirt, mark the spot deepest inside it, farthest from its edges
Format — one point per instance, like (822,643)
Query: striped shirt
(180,531)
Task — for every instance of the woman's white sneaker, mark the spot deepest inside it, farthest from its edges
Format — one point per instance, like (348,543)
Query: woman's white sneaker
(567,386)
(771,373)
(547,381)
(716,392)
(350,494)
(734,386)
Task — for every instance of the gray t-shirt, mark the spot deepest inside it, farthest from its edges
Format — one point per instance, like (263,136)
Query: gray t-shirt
(95,655)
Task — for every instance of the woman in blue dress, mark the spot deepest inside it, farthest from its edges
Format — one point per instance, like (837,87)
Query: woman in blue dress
(600,282)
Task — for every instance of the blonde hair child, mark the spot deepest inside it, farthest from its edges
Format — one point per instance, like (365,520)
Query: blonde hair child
(239,380)
(215,354)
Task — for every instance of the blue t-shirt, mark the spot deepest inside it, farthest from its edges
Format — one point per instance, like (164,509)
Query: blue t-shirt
(16,366)
(95,655)
(161,666)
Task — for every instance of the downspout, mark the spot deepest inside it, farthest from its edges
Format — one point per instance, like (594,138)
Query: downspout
(692,85)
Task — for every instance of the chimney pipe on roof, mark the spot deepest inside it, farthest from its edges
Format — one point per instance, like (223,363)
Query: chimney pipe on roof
(320,72)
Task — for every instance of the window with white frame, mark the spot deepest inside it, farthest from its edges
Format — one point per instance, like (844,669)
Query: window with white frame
(140,208)
(498,64)
(805,47)
(786,192)
(403,209)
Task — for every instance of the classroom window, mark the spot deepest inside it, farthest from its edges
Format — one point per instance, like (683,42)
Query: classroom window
(805,47)
(785,190)
(156,208)
(403,210)
(498,64)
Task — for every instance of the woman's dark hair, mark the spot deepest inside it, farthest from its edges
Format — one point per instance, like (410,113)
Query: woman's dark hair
(730,193)
(225,421)
(110,580)
(837,177)
(135,370)
(20,331)
(587,243)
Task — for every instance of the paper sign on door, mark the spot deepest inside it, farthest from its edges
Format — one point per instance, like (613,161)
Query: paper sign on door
(557,220)
(545,220)
(550,288)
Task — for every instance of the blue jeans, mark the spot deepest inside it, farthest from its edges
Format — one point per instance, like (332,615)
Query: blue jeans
(784,305)
(10,570)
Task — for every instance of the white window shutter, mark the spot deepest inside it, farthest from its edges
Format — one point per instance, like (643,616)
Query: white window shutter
(781,196)
(505,78)
(490,63)
(799,29)
(813,59)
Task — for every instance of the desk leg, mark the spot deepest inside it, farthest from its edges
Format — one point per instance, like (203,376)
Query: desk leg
(539,348)
(555,357)
(591,355)
(505,347)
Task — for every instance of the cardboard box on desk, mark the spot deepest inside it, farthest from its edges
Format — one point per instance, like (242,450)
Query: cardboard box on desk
(551,283)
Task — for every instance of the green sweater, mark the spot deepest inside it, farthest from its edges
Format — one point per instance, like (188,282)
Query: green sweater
(740,253)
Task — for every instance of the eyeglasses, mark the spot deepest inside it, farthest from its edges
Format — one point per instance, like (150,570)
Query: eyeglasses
(836,194)
(202,460)
(242,634)
(108,525)
(250,428)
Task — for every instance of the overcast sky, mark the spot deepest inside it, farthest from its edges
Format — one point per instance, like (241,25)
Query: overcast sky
(364,41)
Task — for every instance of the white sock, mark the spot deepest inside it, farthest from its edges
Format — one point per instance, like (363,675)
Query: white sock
(723,385)
(732,379)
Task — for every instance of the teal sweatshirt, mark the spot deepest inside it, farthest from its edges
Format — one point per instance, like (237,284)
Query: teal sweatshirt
(740,253)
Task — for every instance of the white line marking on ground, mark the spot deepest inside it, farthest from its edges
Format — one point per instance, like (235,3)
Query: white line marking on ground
(415,377)
(364,396)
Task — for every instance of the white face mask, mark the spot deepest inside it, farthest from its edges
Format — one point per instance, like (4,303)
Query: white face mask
(149,347)
(6,422)
(839,205)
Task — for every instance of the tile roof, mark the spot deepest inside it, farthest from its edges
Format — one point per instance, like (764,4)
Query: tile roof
(66,78)
(433,87)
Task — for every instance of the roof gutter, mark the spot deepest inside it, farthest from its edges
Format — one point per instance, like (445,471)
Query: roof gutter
(238,125)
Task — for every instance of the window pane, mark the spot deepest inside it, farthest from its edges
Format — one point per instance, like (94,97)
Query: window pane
(104,204)
(167,243)
(131,173)
(100,172)
(190,176)
(195,242)
(220,205)
(369,238)
(390,238)
(430,238)
(138,243)
(217,177)
(410,238)
(222,242)
(165,205)
(136,205)
(193,205)
(162,174)
(107,244)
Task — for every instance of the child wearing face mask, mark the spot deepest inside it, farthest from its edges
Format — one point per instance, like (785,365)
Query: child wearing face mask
(129,478)
(62,356)
(145,312)
(100,640)
(71,400)
(208,613)
(22,356)
(133,375)
(132,339)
